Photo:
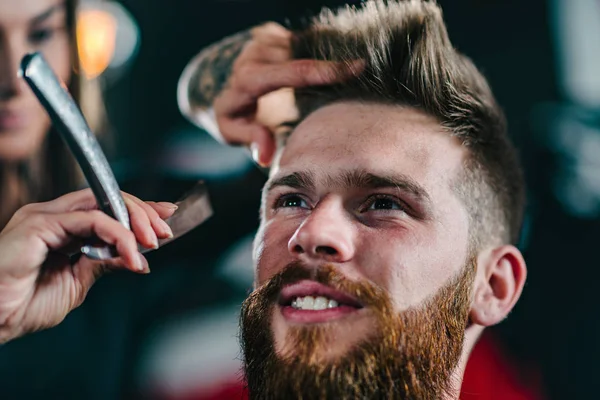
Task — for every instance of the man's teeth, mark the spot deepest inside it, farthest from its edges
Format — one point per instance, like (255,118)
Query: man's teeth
(313,303)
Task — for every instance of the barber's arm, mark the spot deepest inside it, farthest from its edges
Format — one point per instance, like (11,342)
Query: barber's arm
(241,88)
(39,283)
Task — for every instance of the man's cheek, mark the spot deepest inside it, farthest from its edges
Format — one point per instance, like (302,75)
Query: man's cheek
(270,252)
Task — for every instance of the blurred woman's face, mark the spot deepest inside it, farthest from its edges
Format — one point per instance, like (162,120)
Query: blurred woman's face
(27,26)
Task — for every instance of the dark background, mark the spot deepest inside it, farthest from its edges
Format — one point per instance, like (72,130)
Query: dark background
(96,352)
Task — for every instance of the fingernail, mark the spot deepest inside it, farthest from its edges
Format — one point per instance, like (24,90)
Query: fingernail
(165,228)
(263,164)
(168,205)
(139,263)
(254,152)
(143,264)
(154,242)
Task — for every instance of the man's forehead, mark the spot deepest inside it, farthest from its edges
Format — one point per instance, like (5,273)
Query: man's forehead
(361,114)
(380,139)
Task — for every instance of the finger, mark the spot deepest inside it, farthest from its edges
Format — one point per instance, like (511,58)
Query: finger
(81,199)
(263,146)
(261,52)
(271,30)
(235,130)
(297,74)
(75,201)
(163,208)
(277,108)
(159,227)
(275,41)
(140,224)
(229,118)
(255,80)
(118,263)
(232,101)
(59,229)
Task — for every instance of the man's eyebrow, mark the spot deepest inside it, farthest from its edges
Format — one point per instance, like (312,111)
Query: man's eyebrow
(296,180)
(38,19)
(365,180)
(356,179)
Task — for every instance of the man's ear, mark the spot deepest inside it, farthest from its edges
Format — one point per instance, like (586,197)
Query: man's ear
(500,279)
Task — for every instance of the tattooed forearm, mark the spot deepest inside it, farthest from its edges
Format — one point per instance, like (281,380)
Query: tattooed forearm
(213,69)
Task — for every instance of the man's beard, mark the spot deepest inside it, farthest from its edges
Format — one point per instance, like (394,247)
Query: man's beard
(409,355)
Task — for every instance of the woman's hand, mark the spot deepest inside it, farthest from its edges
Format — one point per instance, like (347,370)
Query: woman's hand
(39,285)
(248,79)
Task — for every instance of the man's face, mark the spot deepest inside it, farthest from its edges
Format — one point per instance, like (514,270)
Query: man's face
(362,195)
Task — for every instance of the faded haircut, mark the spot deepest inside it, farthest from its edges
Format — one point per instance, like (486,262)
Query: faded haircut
(410,62)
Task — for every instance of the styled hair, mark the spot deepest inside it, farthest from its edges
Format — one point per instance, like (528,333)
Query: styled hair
(411,62)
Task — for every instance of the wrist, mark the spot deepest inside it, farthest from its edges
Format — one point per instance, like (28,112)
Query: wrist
(206,75)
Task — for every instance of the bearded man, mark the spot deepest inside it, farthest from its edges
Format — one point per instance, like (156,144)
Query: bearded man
(393,204)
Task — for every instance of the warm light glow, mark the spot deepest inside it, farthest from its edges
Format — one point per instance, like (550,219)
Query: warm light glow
(96,38)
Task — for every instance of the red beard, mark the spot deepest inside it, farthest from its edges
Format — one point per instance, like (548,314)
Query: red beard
(410,355)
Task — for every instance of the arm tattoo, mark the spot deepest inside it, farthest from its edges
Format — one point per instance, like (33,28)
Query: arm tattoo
(214,68)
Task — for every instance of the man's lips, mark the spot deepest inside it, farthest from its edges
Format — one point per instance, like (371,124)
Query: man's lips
(343,303)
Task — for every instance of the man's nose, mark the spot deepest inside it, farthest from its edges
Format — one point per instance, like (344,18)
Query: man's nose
(10,83)
(326,235)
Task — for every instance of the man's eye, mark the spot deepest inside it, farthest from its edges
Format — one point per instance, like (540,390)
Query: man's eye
(383,203)
(40,36)
(291,200)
